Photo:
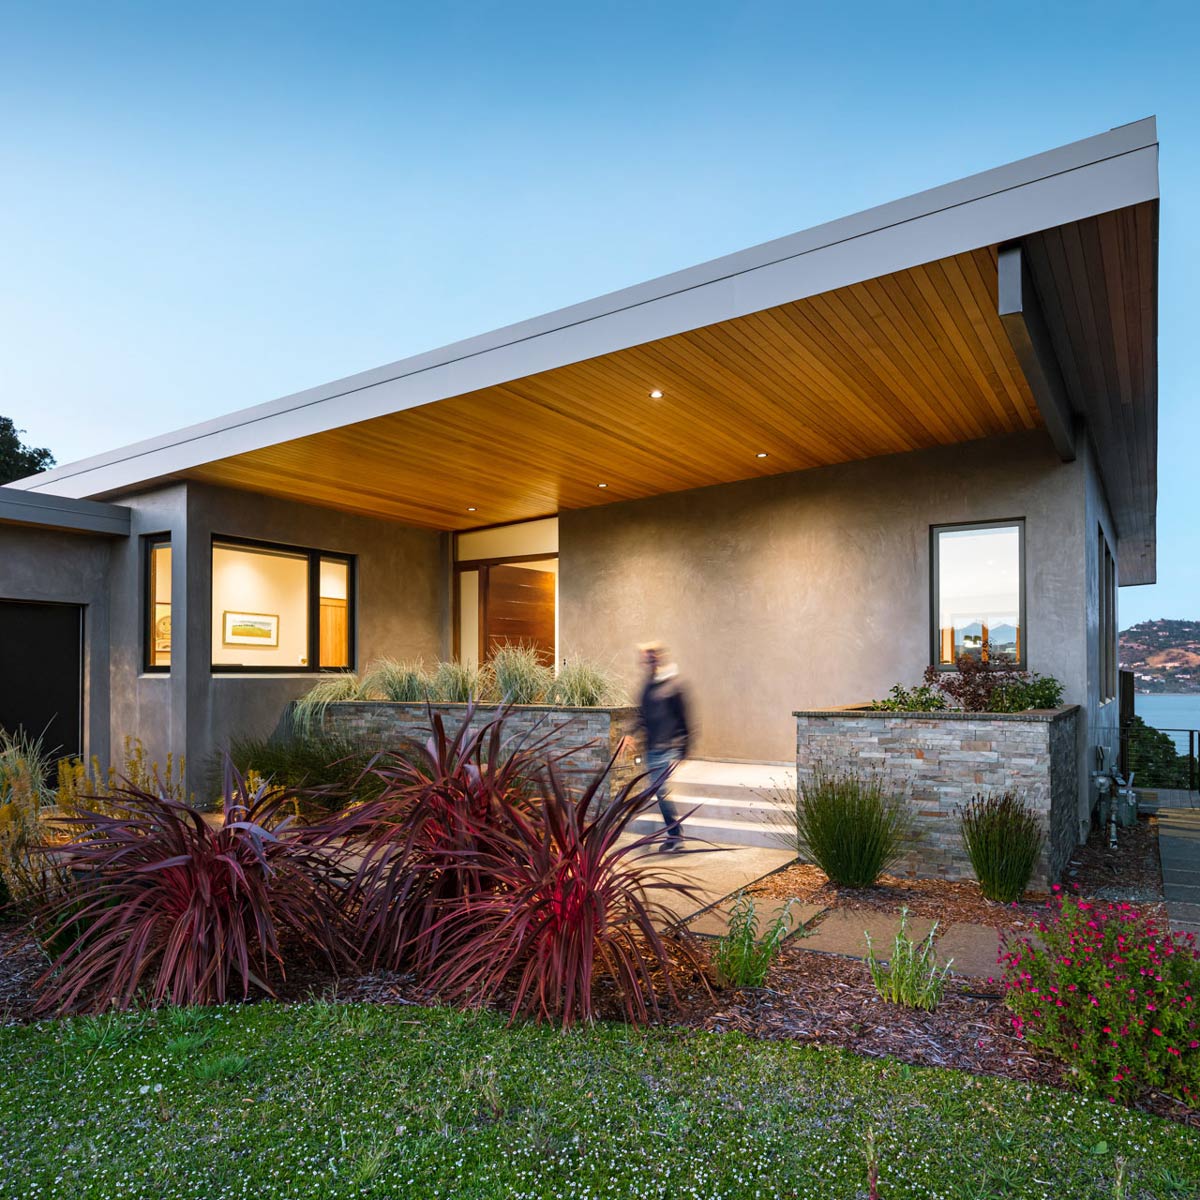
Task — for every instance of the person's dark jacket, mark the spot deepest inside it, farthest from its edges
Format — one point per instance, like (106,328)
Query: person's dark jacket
(663,715)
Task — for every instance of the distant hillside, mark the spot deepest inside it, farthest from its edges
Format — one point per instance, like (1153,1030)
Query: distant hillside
(1164,656)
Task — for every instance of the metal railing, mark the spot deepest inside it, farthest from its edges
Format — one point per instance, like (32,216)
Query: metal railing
(1161,758)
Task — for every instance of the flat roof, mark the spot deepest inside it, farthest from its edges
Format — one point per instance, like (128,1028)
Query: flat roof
(27,508)
(1061,188)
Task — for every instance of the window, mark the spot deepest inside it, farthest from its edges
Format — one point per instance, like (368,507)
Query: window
(157,573)
(979,592)
(1107,568)
(279,608)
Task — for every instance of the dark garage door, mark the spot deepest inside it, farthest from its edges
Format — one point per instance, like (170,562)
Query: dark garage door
(41,673)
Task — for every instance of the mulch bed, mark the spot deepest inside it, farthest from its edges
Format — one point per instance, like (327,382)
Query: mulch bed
(1132,872)
(942,900)
(21,962)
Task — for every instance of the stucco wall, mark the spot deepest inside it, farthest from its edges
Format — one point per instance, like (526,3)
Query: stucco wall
(1102,724)
(45,565)
(811,590)
(402,603)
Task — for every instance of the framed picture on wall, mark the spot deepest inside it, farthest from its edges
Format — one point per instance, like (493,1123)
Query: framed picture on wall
(250,629)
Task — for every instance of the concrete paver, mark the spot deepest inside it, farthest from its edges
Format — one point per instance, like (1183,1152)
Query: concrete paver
(973,949)
(715,922)
(715,874)
(843,932)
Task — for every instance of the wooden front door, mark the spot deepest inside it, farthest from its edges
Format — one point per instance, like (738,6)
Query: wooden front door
(519,608)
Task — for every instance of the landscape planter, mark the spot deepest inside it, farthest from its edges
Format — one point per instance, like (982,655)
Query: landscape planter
(595,734)
(940,760)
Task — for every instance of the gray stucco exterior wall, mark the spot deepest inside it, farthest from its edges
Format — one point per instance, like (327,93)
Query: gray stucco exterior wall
(811,590)
(402,603)
(402,610)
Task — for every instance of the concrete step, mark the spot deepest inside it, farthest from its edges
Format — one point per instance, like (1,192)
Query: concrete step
(712,777)
(722,831)
(740,807)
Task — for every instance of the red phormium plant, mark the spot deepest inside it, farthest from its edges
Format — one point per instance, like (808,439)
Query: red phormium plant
(419,840)
(1112,995)
(566,902)
(184,912)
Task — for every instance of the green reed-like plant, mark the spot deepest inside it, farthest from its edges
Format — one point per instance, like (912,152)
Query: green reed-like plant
(848,825)
(1003,837)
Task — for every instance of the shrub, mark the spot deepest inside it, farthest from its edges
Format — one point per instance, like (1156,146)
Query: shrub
(319,774)
(521,676)
(922,698)
(1113,995)
(563,903)
(419,841)
(401,682)
(190,913)
(583,684)
(308,713)
(1003,837)
(459,683)
(27,875)
(912,977)
(742,958)
(84,785)
(848,826)
(978,684)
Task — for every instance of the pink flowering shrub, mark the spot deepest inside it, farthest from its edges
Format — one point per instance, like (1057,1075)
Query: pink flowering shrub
(1111,994)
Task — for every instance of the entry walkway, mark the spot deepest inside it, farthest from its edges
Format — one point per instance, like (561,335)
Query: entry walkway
(1179,852)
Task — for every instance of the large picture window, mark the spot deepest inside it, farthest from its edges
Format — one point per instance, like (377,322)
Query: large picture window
(157,632)
(979,592)
(280,608)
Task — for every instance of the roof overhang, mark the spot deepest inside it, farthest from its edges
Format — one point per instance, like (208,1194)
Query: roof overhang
(890,292)
(45,511)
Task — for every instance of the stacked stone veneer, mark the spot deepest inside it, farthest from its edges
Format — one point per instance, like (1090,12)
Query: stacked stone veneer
(941,760)
(594,735)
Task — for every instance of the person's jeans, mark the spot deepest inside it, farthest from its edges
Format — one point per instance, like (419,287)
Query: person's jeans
(659,764)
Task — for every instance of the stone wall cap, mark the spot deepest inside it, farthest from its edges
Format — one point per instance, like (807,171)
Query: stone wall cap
(1044,715)
(486,706)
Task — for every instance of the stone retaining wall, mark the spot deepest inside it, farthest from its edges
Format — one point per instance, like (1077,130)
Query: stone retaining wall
(941,760)
(595,734)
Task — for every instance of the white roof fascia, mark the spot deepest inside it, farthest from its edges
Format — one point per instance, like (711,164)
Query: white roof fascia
(1099,174)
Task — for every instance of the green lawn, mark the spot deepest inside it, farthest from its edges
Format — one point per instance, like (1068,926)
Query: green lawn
(324,1101)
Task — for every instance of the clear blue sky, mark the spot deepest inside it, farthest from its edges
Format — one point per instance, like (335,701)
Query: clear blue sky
(207,205)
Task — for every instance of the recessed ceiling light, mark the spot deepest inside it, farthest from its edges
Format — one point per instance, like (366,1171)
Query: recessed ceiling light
(656,394)
(471,509)
(761,454)
(602,485)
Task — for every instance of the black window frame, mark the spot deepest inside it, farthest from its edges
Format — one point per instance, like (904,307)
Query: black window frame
(314,556)
(1021,663)
(1106,573)
(149,542)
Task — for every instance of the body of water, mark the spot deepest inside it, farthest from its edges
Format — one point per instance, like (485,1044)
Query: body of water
(1171,711)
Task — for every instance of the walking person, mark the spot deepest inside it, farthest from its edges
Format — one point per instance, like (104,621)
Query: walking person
(663,721)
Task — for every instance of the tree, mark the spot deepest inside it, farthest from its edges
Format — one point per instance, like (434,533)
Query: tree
(16,459)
